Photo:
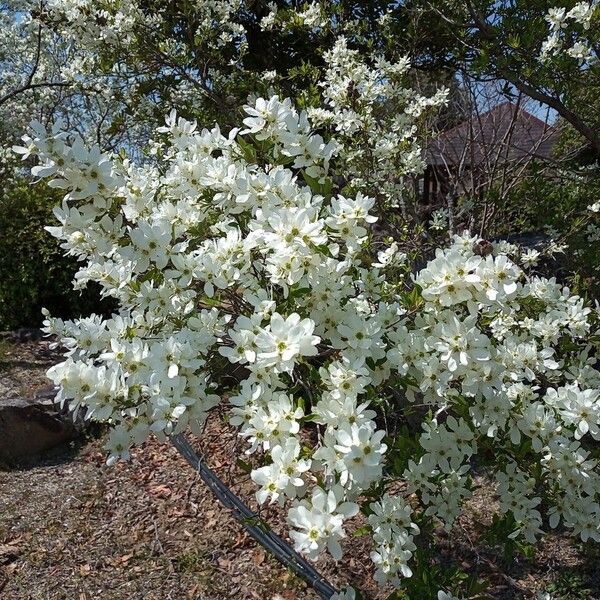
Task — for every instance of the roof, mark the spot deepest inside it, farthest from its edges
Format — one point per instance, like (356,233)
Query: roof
(505,133)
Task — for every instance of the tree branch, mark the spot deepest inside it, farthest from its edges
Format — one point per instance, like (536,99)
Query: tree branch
(31,86)
(488,33)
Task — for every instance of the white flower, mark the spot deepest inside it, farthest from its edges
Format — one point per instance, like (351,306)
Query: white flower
(361,450)
(530,257)
(556,17)
(318,523)
(284,340)
(441,595)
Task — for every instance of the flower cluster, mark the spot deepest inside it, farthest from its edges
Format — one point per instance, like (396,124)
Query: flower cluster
(393,533)
(310,17)
(374,116)
(279,122)
(240,271)
(560,21)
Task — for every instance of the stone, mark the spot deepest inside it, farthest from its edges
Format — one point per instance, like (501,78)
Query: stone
(24,334)
(29,427)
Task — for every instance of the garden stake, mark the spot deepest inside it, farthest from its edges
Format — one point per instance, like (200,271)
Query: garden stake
(252,523)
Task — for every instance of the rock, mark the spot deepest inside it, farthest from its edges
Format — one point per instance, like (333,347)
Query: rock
(46,395)
(7,388)
(29,334)
(31,426)
(533,240)
(24,334)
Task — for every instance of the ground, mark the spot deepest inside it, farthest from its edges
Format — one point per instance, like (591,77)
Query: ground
(73,528)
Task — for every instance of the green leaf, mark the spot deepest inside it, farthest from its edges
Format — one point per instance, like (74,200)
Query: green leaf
(323,189)
(362,531)
(248,150)
(244,466)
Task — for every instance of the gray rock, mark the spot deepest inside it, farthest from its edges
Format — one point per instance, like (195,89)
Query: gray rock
(31,426)
(46,394)
(24,334)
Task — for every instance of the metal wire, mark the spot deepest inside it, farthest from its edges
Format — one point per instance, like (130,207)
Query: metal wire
(252,523)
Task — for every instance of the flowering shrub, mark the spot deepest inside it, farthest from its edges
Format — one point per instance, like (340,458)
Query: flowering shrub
(362,388)
(374,116)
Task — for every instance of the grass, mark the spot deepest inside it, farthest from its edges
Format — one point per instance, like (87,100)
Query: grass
(5,347)
(569,585)
(191,561)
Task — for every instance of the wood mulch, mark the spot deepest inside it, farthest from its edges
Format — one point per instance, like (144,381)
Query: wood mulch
(73,528)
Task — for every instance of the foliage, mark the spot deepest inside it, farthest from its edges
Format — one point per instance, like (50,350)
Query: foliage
(558,204)
(282,245)
(35,273)
(109,68)
(537,49)
(569,585)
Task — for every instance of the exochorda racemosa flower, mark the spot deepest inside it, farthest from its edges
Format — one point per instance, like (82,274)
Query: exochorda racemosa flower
(267,271)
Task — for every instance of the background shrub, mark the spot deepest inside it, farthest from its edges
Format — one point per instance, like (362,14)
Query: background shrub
(33,272)
(555,203)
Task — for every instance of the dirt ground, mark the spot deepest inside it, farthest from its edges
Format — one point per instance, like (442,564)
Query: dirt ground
(73,528)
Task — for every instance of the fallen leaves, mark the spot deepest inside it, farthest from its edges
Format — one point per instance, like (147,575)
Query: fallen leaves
(79,523)
(8,553)
(11,550)
(160,491)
